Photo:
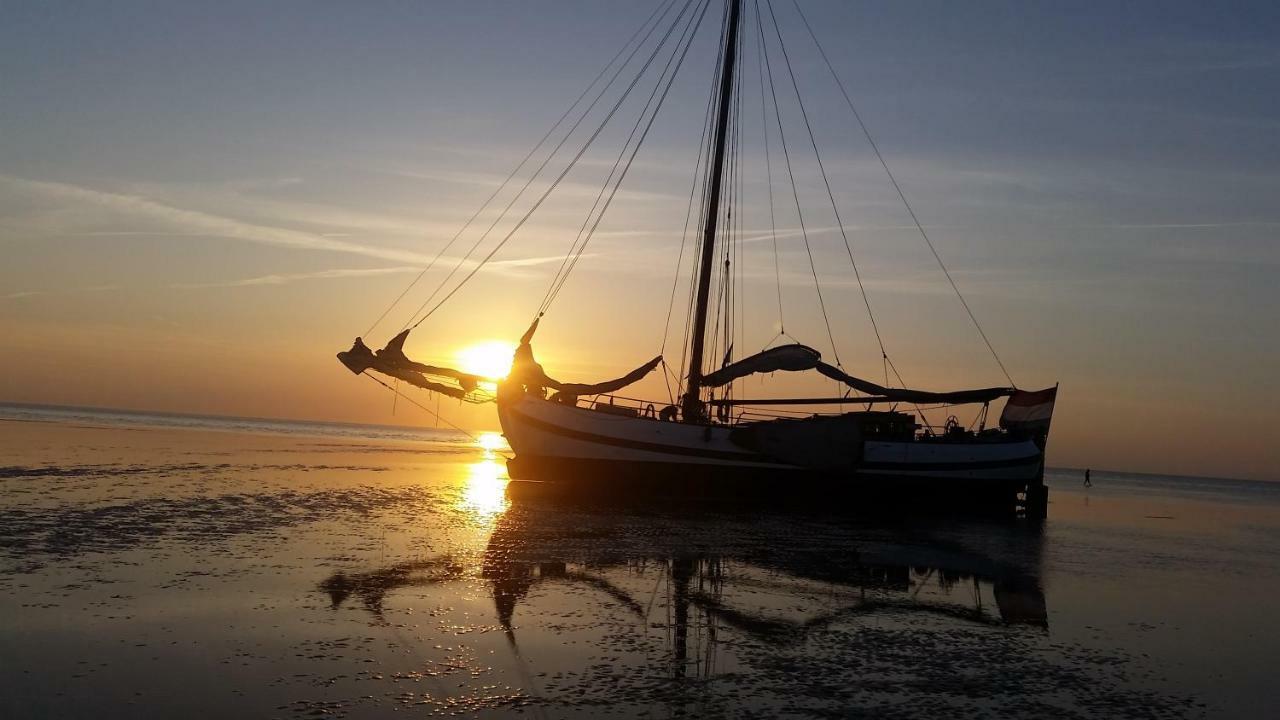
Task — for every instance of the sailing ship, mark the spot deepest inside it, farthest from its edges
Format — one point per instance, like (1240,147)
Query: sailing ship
(705,435)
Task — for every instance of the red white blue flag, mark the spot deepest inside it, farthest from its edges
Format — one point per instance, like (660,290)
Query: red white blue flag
(1029,410)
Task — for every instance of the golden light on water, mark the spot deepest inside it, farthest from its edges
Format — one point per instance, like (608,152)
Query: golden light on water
(491,441)
(491,358)
(485,490)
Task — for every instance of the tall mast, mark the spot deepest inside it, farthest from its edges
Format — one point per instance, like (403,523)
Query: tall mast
(691,406)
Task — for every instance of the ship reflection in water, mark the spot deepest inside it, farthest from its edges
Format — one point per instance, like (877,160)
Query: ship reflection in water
(690,583)
(775,579)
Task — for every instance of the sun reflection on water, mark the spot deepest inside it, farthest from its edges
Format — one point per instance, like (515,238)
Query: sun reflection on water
(490,442)
(484,492)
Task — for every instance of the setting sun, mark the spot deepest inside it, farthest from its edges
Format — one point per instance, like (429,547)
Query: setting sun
(490,359)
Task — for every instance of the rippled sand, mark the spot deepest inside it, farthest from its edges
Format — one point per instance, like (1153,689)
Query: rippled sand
(201,574)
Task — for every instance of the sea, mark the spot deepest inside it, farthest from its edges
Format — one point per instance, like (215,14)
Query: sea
(159,565)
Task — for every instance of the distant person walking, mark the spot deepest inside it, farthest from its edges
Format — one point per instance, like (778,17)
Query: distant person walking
(1087,481)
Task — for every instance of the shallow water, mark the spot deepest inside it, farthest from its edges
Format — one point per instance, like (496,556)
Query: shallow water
(161,566)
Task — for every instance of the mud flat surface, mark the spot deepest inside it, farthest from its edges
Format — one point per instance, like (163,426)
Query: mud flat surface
(279,571)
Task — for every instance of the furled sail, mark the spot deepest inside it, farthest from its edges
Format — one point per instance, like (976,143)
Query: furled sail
(359,358)
(393,356)
(955,397)
(802,357)
(608,386)
(784,357)
(392,362)
(419,380)
(526,371)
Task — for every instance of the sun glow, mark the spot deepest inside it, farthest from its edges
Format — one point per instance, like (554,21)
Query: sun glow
(490,359)
(484,493)
(490,441)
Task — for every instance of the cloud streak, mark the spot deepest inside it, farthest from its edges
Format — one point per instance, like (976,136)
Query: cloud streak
(60,291)
(287,278)
(195,222)
(512,268)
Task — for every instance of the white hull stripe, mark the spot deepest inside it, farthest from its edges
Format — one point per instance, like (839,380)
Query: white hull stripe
(631,444)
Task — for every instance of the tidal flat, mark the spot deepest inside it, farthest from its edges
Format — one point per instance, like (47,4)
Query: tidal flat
(153,566)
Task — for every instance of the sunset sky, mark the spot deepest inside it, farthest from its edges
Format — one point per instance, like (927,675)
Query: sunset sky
(201,203)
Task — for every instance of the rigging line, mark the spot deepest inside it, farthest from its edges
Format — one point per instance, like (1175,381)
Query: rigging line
(547,193)
(679,52)
(513,173)
(724,272)
(665,9)
(690,301)
(902,196)
(726,285)
(719,283)
(875,328)
(443,283)
(713,345)
(726,297)
(707,266)
(903,383)
(739,190)
(723,232)
(684,239)
(740,251)
(666,378)
(726,222)
(684,234)
(709,131)
(687,40)
(795,194)
(739,162)
(723,235)
(422,407)
(603,189)
(768,165)
(741,245)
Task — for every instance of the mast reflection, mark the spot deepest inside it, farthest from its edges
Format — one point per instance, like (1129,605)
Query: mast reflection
(372,587)
(775,578)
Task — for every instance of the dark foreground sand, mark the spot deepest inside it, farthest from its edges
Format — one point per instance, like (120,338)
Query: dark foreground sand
(162,572)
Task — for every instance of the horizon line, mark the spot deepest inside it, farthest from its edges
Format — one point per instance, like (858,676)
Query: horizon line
(341,423)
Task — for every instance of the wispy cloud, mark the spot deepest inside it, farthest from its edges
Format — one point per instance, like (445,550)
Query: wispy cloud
(513,268)
(58,291)
(287,278)
(530,262)
(195,222)
(566,188)
(182,222)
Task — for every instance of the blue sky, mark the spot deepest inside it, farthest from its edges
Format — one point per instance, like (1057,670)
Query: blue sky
(189,190)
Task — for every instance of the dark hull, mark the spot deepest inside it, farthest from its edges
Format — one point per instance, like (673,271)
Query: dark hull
(599,480)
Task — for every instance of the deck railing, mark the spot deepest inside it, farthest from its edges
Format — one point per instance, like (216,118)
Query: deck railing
(653,409)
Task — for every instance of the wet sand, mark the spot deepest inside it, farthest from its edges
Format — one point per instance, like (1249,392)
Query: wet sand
(148,570)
